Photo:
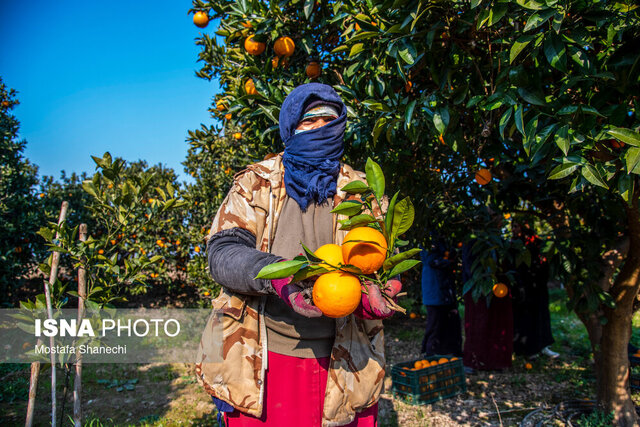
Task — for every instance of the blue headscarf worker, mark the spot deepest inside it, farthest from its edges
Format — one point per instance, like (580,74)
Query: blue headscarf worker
(299,338)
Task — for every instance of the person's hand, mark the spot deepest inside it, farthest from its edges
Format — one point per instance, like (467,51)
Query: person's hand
(296,296)
(373,305)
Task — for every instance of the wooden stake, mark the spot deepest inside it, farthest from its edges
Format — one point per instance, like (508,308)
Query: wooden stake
(82,292)
(35,366)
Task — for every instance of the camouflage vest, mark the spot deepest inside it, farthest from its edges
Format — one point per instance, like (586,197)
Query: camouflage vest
(356,369)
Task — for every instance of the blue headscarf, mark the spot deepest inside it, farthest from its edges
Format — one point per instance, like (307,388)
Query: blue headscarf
(311,158)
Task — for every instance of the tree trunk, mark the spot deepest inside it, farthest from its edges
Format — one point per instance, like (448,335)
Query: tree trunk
(613,370)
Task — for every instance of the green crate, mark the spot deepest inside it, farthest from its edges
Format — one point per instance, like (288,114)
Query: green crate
(428,385)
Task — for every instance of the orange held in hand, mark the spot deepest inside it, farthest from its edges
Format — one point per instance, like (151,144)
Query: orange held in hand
(483,176)
(336,294)
(500,290)
(365,248)
(330,253)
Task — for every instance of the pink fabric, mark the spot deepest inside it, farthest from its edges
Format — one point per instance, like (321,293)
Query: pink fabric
(294,395)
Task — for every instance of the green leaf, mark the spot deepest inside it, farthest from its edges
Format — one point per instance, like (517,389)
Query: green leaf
(308,271)
(308,7)
(518,46)
(441,119)
(391,262)
(363,35)
(504,120)
(378,128)
(530,4)
(388,218)
(375,105)
(403,216)
(280,270)
(627,136)
(625,188)
(519,119)
(556,52)
(475,3)
(632,157)
(563,170)
(356,187)
(404,266)
(561,139)
(531,97)
(496,14)
(310,255)
(592,175)
(375,178)
(341,48)
(348,208)
(408,114)
(90,188)
(356,49)
(357,221)
(538,19)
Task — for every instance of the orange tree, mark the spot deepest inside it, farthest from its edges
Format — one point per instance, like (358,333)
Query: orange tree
(212,160)
(133,210)
(18,180)
(542,94)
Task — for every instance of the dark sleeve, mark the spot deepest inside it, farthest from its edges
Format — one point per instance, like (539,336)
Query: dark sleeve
(234,261)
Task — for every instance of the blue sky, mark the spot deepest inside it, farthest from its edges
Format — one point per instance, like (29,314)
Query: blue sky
(103,76)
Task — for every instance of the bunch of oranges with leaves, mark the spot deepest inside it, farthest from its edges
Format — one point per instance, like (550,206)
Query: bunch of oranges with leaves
(364,253)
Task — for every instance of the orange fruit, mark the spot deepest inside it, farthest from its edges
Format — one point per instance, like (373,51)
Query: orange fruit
(247,24)
(483,176)
(221,106)
(206,294)
(614,143)
(331,254)
(237,135)
(443,360)
(313,70)
(417,364)
(227,116)
(274,61)
(284,46)
(113,241)
(357,251)
(528,366)
(200,19)
(197,249)
(413,316)
(101,251)
(500,290)
(253,47)
(250,87)
(336,294)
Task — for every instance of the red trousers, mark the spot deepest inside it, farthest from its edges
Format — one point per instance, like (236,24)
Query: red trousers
(294,395)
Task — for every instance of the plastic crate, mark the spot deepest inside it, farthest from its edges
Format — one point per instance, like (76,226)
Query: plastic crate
(428,385)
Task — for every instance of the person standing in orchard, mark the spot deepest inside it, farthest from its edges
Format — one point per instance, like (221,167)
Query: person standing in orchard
(283,361)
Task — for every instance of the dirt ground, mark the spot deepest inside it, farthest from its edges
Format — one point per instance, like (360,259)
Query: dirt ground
(167,395)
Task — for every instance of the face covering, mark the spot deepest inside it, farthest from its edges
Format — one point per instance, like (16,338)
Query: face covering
(311,158)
